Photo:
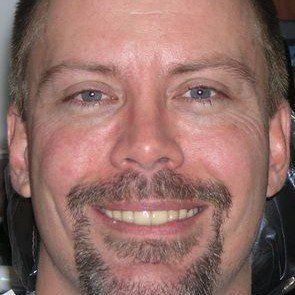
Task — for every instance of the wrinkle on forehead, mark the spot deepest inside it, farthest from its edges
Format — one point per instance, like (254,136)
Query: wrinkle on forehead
(144,32)
(151,13)
(150,18)
(155,7)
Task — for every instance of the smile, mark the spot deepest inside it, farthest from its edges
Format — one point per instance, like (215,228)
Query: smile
(150,218)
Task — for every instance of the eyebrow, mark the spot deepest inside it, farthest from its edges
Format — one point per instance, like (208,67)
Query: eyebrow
(49,74)
(213,62)
(217,62)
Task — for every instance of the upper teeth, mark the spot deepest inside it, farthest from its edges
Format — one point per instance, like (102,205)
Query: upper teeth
(150,217)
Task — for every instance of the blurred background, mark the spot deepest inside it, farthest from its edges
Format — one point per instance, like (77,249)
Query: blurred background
(6,18)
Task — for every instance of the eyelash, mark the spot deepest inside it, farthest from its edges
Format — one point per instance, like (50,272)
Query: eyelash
(72,98)
(205,101)
(88,104)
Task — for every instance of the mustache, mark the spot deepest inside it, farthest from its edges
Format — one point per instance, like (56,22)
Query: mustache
(165,184)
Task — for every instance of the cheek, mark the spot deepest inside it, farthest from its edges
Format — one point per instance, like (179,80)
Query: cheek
(67,157)
(235,154)
(236,159)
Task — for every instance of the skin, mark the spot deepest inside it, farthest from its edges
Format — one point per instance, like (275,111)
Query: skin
(144,123)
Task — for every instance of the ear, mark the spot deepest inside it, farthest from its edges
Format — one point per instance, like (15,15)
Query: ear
(279,143)
(18,152)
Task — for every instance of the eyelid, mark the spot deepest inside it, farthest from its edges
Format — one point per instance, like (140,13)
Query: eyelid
(201,87)
(91,85)
(74,95)
(218,87)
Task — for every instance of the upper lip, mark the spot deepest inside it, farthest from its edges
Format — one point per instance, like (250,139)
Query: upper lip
(151,205)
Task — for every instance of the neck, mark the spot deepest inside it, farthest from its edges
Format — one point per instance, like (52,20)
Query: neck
(240,284)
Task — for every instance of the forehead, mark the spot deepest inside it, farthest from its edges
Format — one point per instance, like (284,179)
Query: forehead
(147,37)
(138,33)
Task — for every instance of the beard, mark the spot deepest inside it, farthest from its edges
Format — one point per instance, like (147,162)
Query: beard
(95,275)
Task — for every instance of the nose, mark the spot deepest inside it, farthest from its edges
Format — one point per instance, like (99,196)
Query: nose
(146,143)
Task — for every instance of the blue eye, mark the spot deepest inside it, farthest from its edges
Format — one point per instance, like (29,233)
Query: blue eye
(91,98)
(91,95)
(200,93)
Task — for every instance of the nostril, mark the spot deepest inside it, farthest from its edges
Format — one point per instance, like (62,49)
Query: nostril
(143,163)
(146,153)
(130,160)
(163,160)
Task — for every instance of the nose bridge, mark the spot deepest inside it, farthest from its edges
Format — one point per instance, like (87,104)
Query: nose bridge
(147,140)
(149,119)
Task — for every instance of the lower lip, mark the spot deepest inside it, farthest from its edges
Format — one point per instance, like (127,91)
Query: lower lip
(169,228)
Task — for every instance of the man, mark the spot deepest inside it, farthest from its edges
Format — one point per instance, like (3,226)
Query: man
(149,135)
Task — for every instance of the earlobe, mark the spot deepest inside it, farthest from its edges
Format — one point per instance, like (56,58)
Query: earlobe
(18,152)
(279,144)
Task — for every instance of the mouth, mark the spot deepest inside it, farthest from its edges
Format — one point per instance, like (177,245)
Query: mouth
(151,217)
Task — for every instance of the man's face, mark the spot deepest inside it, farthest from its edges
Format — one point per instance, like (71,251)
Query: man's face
(148,144)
